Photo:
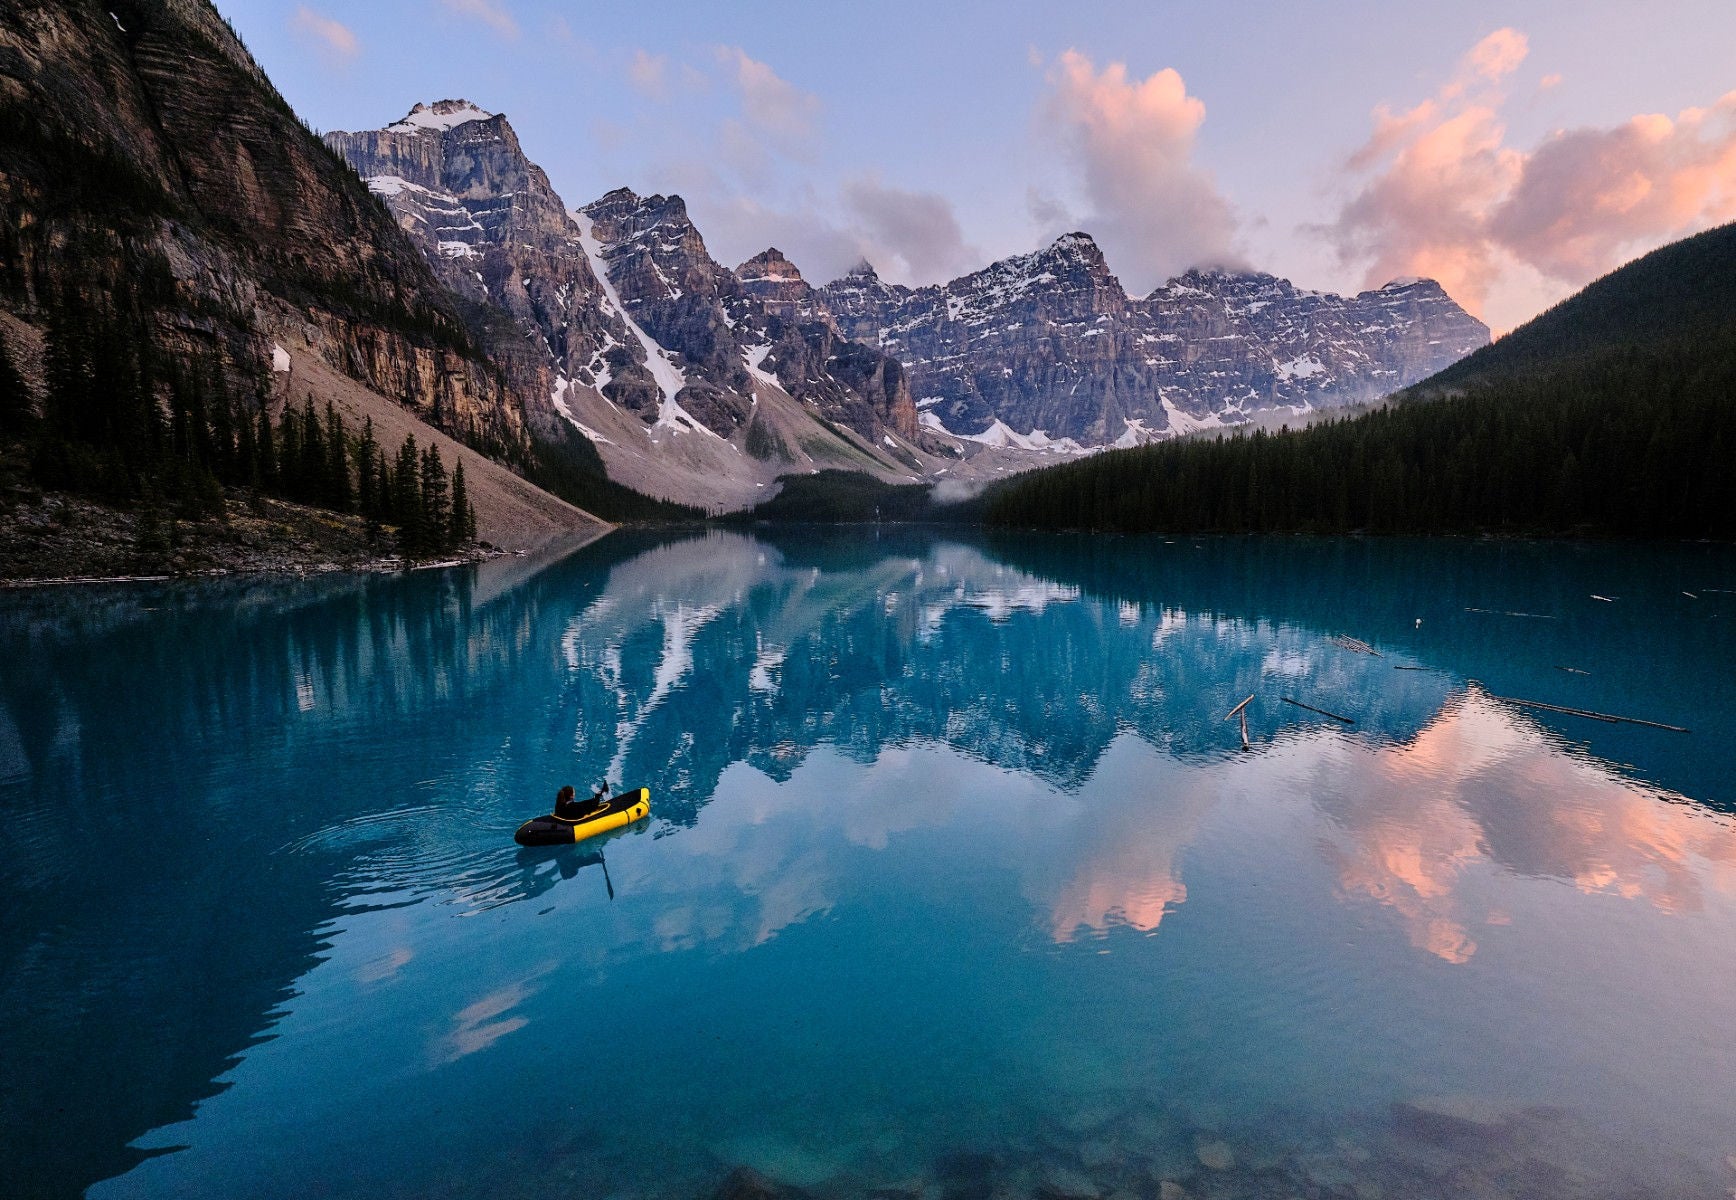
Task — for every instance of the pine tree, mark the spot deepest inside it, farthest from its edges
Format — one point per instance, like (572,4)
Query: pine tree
(316,488)
(366,481)
(462,526)
(436,501)
(291,483)
(246,470)
(407,498)
(268,469)
(337,466)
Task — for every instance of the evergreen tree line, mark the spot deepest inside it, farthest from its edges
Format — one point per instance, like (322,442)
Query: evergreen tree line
(1633,441)
(125,424)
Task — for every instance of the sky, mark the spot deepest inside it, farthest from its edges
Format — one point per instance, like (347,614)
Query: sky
(1513,151)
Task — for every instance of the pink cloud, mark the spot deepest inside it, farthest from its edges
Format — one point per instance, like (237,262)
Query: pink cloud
(1154,209)
(490,12)
(1441,193)
(333,37)
(1588,197)
(1498,55)
(777,108)
(649,74)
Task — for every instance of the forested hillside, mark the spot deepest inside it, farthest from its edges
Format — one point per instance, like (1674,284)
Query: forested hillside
(1613,413)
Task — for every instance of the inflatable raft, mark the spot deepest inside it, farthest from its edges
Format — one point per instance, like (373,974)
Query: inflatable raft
(614,812)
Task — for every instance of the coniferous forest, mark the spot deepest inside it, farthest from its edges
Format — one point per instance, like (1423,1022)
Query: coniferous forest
(124,424)
(1613,414)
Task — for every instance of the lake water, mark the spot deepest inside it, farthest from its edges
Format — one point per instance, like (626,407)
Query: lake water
(957,884)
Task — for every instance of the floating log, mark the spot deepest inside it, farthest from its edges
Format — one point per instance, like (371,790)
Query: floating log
(1595,716)
(1399,668)
(1605,599)
(1242,708)
(1497,612)
(1321,711)
(1573,670)
(1356,644)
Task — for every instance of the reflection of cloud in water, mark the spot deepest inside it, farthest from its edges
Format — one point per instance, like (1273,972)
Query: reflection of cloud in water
(1125,871)
(479,1025)
(385,966)
(1481,785)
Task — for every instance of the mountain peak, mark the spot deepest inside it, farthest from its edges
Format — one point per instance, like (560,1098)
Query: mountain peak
(439,117)
(1076,242)
(864,270)
(769,264)
(1078,250)
(622,201)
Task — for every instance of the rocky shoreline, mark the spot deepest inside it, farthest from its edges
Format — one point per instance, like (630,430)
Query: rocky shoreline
(54,538)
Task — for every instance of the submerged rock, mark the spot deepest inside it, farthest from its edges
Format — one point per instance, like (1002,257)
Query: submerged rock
(1216,1156)
(1459,1122)
(745,1183)
(1064,1183)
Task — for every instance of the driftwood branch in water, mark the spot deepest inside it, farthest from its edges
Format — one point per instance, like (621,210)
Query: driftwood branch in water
(1242,708)
(1595,716)
(1321,711)
(1355,644)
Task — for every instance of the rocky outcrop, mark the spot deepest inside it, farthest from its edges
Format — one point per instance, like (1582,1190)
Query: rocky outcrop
(775,282)
(621,296)
(1049,345)
(149,172)
(495,231)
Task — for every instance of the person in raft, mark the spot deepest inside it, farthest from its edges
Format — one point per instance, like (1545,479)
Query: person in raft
(569,809)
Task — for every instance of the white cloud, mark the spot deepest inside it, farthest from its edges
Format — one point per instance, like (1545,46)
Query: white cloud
(910,235)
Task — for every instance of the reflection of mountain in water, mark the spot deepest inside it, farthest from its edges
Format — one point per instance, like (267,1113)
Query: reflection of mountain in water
(724,649)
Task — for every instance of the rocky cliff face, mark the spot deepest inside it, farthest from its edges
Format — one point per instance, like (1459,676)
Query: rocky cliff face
(495,232)
(1048,345)
(618,309)
(148,165)
(775,282)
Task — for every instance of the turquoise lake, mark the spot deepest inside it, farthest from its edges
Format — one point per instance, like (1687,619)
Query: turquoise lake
(957,883)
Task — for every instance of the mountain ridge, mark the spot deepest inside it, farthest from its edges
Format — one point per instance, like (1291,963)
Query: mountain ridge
(1609,415)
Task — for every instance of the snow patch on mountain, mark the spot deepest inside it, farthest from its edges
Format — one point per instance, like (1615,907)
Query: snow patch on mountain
(669,377)
(1002,436)
(1182,423)
(440,116)
(1304,366)
(559,398)
(754,357)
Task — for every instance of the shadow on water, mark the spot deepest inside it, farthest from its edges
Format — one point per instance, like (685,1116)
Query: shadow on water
(195,778)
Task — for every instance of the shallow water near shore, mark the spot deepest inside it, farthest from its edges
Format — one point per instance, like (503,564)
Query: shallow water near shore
(957,882)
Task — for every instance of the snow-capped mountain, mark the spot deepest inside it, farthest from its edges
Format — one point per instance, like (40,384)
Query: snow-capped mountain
(1049,344)
(704,384)
(685,382)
